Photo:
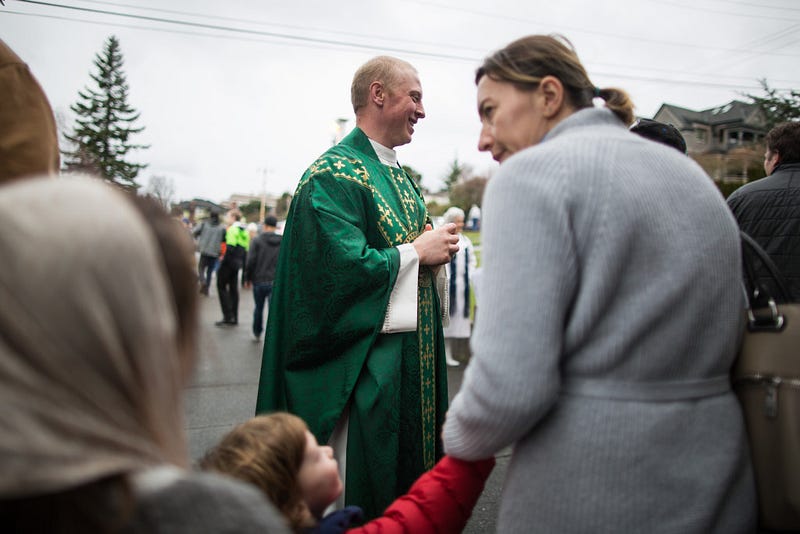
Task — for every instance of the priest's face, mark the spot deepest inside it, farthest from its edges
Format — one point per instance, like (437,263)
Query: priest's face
(403,108)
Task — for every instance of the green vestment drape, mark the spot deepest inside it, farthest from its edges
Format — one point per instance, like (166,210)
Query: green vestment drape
(323,347)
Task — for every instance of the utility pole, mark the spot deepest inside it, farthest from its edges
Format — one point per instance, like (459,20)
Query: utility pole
(338,130)
(262,210)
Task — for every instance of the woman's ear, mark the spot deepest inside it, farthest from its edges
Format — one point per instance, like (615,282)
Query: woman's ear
(553,91)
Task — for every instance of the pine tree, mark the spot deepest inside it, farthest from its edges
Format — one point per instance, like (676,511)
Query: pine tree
(778,105)
(104,123)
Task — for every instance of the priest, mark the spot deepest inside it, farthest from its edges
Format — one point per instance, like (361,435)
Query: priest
(354,340)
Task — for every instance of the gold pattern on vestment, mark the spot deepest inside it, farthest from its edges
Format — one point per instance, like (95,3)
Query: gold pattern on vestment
(396,229)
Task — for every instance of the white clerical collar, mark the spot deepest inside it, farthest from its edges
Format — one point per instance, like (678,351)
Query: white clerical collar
(387,155)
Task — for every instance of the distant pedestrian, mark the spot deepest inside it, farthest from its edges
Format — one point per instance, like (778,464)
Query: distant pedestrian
(475,218)
(237,241)
(460,269)
(210,234)
(768,210)
(259,271)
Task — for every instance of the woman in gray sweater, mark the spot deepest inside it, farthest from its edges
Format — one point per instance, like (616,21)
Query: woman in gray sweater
(609,319)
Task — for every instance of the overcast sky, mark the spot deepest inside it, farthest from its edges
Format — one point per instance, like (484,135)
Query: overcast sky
(240,95)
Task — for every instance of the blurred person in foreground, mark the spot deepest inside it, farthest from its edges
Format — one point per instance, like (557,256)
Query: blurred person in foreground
(768,210)
(354,340)
(610,316)
(92,371)
(28,137)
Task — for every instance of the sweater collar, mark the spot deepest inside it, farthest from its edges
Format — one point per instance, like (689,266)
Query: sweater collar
(582,118)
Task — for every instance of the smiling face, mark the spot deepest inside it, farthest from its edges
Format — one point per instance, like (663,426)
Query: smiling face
(319,476)
(402,108)
(511,119)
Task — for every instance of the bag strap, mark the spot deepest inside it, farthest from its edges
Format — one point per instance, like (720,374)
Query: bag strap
(759,296)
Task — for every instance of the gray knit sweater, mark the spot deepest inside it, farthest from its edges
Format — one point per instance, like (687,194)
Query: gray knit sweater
(609,318)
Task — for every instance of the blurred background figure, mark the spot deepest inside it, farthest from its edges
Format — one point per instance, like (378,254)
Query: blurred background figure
(768,210)
(210,234)
(92,370)
(461,268)
(28,137)
(475,218)
(252,230)
(660,132)
(237,241)
(262,261)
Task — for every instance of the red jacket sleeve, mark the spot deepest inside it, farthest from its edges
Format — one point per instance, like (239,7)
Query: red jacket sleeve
(439,502)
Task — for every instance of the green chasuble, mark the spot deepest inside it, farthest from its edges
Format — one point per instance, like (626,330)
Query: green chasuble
(323,347)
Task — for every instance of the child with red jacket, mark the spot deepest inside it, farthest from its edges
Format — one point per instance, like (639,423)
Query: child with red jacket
(278,454)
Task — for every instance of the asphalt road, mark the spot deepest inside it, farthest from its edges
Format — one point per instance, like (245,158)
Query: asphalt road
(223,393)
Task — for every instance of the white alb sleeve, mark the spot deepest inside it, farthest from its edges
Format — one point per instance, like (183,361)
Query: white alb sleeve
(401,313)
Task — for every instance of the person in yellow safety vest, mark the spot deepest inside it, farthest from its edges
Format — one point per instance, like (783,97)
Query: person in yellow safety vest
(237,241)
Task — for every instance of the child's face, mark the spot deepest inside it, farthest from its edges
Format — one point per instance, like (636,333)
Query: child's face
(319,476)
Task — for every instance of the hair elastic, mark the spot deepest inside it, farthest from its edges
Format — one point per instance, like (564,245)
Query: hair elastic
(597,92)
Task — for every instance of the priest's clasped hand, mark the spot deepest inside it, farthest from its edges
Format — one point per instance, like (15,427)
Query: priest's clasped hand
(437,246)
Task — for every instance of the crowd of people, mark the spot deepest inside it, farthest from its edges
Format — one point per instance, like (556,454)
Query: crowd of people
(611,312)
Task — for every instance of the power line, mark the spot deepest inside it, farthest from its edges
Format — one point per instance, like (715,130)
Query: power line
(265,23)
(328,43)
(539,22)
(261,33)
(761,6)
(694,7)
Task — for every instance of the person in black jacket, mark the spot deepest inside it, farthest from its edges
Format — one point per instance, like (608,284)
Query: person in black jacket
(260,270)
(769,209)
(237,242)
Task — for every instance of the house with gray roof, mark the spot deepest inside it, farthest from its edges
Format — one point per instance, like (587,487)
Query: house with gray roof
(727,141)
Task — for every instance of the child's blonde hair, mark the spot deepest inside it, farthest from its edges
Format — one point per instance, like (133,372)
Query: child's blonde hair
(267,451)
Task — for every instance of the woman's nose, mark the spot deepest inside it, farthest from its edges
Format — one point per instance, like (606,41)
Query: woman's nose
(485,139)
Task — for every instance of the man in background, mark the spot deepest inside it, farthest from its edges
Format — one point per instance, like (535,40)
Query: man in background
(237,241)
(262,260)
(210,234)
(768,210)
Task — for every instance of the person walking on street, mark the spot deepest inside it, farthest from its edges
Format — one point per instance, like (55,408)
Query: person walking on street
(210,234)
(262,259)
(237,241)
